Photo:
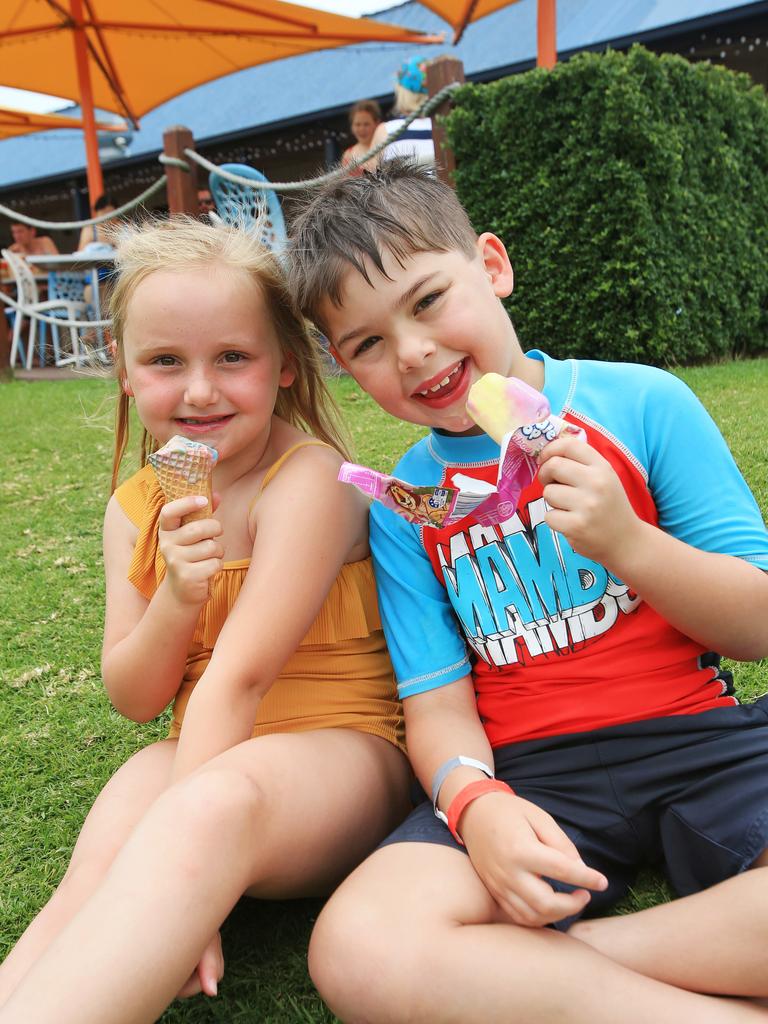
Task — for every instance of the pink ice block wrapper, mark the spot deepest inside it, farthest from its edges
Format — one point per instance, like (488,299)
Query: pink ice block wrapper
(515,415)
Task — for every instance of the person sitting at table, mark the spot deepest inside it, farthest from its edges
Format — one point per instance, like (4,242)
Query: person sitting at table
(98,232)
(101,235)
(27,242)
(205,205)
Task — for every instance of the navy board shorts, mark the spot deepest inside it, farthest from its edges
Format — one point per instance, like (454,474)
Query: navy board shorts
(687,792)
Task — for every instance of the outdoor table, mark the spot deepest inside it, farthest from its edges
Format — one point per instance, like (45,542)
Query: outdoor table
(77,261)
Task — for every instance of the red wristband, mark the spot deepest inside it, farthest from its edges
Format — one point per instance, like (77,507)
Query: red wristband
(465,797)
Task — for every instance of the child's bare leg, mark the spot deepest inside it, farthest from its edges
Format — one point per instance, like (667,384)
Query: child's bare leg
(713,941)
(118,807)
(278,816)
(413,935)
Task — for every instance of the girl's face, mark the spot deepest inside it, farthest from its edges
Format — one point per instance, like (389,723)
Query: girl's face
(363,126)
(203,360)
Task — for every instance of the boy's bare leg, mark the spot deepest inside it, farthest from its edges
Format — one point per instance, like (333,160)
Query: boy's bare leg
(283,816)
(413,935)
(121,803)
(713,941)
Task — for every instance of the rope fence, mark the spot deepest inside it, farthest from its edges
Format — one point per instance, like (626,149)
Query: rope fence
(280,186)
(66,225)
(295,186)
(277,186)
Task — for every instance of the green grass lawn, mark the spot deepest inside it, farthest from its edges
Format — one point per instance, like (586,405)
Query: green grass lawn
(59,738)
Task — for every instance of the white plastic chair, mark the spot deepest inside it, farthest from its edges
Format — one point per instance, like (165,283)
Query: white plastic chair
(29,299)
(248,208)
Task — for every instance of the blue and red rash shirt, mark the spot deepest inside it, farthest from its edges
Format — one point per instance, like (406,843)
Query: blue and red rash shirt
(554,642)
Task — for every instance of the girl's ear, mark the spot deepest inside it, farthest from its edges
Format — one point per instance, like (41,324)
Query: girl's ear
(493,253)
(288,372)
(125,386)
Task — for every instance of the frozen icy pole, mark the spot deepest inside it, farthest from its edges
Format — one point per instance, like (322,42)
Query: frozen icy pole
(185,467)
(500,405)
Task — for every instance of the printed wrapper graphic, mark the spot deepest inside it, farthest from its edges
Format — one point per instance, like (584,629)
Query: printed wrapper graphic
(185,467)
(520,441)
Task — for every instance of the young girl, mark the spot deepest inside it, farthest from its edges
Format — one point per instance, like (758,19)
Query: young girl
(364,119)
(284,765)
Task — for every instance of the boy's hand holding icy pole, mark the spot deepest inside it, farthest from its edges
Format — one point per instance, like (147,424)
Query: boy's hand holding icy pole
(513,414)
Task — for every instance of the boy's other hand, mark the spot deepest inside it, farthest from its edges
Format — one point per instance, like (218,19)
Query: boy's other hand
(513,843)
(588,503)
(192,552)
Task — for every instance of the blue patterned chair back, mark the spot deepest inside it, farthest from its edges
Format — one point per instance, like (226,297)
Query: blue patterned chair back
(250,207)
(68,285)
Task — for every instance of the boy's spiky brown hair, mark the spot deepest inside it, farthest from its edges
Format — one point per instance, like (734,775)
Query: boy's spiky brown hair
(398,208)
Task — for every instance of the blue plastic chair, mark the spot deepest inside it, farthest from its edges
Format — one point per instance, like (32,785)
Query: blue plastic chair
(66,286)
(248,208)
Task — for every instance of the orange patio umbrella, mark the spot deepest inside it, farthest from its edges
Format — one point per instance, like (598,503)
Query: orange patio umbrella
(132,55)
(22,122)
(459,14)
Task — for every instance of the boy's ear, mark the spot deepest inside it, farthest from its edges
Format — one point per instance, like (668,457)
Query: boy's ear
(495,259)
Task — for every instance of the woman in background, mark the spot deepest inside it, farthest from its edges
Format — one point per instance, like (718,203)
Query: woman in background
(364,119)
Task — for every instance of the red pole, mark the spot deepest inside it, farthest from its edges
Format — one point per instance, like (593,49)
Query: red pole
(546,34)
(95,180)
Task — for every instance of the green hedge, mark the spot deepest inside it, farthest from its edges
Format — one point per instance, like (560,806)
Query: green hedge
(632,192)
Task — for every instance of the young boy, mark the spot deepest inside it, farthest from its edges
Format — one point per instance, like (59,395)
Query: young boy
(568,649)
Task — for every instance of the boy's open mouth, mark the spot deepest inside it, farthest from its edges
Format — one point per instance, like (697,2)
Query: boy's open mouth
(445,387)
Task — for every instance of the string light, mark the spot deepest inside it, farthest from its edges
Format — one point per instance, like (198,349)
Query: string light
(721,48)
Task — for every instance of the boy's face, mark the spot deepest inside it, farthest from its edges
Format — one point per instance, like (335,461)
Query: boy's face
(419,338)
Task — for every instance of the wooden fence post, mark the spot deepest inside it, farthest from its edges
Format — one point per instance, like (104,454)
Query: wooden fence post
(182,185)
(441,72)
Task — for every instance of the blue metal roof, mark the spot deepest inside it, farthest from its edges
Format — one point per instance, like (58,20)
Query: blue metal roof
(330,79)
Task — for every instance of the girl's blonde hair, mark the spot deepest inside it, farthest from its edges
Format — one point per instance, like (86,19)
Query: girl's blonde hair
(184,243)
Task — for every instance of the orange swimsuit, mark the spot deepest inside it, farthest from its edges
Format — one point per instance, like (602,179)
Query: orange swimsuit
(339,677)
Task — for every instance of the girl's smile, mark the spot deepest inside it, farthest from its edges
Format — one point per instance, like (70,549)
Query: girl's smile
(204,424)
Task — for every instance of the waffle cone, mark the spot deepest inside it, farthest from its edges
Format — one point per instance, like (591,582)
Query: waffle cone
(185,467)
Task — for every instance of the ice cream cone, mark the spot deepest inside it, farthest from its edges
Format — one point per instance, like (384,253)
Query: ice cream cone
(185,467)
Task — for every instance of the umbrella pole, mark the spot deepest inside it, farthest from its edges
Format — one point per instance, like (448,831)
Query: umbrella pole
(95,179)
(546,32)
